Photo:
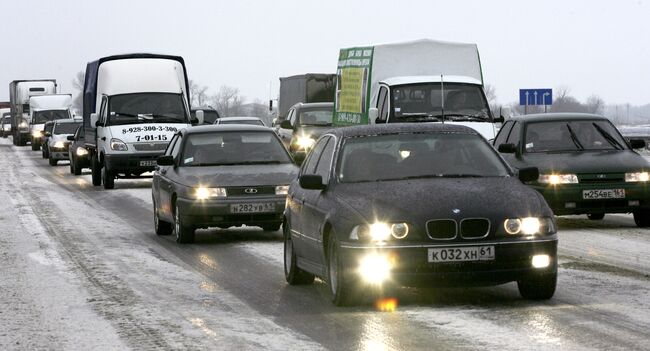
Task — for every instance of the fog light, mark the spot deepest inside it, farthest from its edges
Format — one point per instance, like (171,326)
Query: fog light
(374,269)
(541,261)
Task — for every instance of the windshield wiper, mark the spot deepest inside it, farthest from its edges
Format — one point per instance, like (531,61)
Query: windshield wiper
(419,116)
(463,117)
(610,139)
(574,138)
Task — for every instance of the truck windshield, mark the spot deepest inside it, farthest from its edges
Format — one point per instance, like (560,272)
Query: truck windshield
(41,117)
(66,128)
(462,102)
(316,117)
(146,108)
(6,120)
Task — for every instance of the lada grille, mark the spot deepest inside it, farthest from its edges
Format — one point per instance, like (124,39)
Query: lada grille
(150,146)
(600,178)
(442,229)
(250,190)
(474,228)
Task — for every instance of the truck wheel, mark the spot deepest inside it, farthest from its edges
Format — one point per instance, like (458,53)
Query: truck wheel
(108,178)
(642,218)
(184,234)
(96,168)
(538,287)
(52,161)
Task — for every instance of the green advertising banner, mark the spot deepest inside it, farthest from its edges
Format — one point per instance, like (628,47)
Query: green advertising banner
(353,86)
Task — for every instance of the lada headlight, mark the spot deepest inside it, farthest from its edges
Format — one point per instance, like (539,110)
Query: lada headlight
(202,193)
(379,231)
(282,190)
(118,145)
(528,226)
(637,177)
(81,151)
(555,179)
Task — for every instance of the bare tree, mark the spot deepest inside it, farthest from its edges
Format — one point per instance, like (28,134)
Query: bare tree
(78,85)
(228,101)
(198,94)
(595,104)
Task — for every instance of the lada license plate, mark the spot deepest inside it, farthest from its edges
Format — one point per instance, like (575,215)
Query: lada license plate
(462,254)
(599,194)
(147,163)
(252,208)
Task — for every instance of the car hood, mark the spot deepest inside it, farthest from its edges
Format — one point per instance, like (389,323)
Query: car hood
(588,162)
(245,175)
(424,199)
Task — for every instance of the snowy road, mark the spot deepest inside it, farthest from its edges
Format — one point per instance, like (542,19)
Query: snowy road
(82,269)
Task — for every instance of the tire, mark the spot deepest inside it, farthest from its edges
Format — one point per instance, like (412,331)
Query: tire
(21,141)
(161,227)
(35,146)
(184,234)
(596,216)
(337,278)
(108,178)
(642,218)
(271,227)
(71,167)
(76,168)
(538,287)
(96,168)
(52,161)
(293,274)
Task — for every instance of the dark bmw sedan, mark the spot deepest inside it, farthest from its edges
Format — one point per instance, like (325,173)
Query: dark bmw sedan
(221,176)
(416,204)
(586,166)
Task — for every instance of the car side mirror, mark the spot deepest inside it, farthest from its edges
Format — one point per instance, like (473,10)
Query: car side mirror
(311,182)
(373,114)
(94,120)
(507,148)
(637,143)
(70,137)
(165,160)
(200,117)
(286,124)
(528,174)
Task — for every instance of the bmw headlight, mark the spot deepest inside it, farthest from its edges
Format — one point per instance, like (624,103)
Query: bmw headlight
(282,190)
(305,142)
(637,177)
(529,226)
(81,151)
(380,231)
(118,145)
(555,179)
(58,144)
(203,193)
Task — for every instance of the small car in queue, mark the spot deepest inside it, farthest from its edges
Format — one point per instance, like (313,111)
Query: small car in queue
(304,124)
(255,121)
(5,128)
(221,176)
(415,204)
(586,166)
(56,142)
(77,154)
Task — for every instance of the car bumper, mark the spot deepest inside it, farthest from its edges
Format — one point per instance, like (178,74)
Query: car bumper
(411,267)
(131,163)
(59,154)
(568,199)
(218,213)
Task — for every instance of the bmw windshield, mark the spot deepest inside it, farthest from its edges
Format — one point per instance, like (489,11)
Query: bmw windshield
(418,155)
(146,108)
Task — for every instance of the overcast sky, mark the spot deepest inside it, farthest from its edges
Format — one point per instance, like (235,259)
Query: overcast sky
(593,47)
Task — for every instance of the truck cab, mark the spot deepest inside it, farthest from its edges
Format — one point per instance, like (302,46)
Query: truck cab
(45,108)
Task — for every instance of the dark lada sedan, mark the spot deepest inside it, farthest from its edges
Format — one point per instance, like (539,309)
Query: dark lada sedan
(413,204)
(586,166)
(221,176)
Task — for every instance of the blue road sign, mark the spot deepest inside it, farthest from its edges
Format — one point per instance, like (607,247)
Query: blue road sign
(535,97)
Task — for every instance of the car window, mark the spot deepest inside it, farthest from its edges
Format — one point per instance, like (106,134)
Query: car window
(177,146)
(170,146)
(513,138)
(572,136)
(325,162)
(382,103)
(503,133)
(310,165)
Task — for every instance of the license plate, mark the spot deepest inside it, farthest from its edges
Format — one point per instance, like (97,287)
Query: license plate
(252,208)
(462,254)
(147,163)
(599,194)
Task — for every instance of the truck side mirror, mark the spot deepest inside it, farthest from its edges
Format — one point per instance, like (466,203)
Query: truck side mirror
(505,112)
(200,117)
(286,124)
(373,114)
(94,120)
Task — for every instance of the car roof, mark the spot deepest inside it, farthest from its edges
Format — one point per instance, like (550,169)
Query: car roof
(313,104)
(204,108)
(393,128)
(240,118)
(67,120)
(557,116)
(227,128)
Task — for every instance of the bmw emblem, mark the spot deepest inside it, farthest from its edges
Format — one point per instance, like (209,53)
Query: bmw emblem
(456,211)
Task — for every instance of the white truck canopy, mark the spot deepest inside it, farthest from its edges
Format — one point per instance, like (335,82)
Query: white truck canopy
(50,102)
(25,90)
(152,75)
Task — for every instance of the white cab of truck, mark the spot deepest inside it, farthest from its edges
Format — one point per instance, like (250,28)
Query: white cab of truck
(138,102)
(45,108)
(418,81)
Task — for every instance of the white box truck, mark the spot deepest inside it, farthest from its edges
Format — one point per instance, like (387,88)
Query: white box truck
(20,91)
(132,106)
(45,108)
(417,81)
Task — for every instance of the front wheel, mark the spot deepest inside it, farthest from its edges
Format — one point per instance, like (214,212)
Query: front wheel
(35,145)
(293,274)
(538,287)
(96,168)
(161,227)
(52,161)
(337,277)
(108,178)
(184,234)
(76,168)
(642,218)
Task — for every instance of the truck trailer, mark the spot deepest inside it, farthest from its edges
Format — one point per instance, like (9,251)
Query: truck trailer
(306,88)
(20,91)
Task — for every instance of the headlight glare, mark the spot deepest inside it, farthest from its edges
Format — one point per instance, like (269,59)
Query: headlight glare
(203,193)
(305,142)
(59,144)
(36,133)
(118,145)
(380,231)
(374,268)
(637,177)
(530,225)
(282,190)
(555,179)
(81,151)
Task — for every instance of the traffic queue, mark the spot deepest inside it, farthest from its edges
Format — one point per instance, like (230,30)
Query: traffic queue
(396,175)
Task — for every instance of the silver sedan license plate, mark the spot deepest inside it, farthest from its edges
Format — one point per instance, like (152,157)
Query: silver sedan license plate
(252,208)
(147,163)
(461,254)
(600,194)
